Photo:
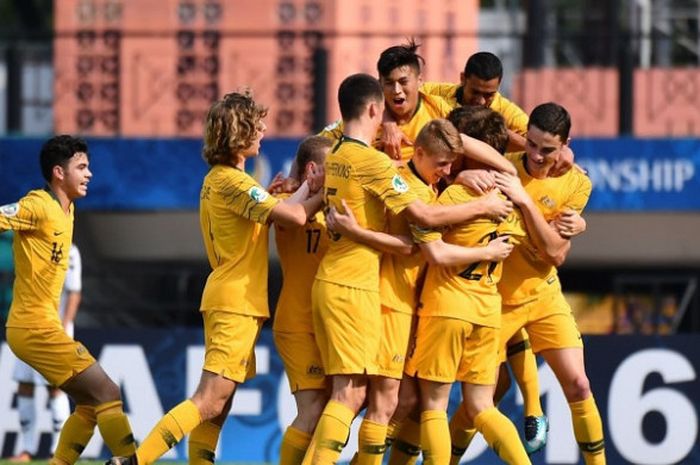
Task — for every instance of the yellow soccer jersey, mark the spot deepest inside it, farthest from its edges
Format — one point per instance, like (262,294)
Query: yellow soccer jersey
(233,214)
(300,251)
(42,239)
(526,276)
(368,181)
(515,117)
(469,293)
(399,275)
(429,108)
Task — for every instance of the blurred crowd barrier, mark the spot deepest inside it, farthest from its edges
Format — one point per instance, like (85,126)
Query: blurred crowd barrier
(646,387)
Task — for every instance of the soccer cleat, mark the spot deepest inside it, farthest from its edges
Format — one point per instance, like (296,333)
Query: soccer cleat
(122,461)
(535,433)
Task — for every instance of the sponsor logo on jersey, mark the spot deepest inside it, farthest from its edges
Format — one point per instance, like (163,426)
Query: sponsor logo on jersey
(258,194)
(548,202)
(9,210)
(399,184)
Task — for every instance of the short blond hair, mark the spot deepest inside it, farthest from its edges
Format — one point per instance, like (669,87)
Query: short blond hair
(231,126)
(439,136)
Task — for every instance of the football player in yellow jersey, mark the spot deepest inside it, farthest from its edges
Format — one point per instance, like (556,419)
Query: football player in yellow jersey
(300,251)
(407,109)
(487,125)
(234,213)
(458,337)
(345,297)
(43,225)
(479,83)
(532,295)
(438,144)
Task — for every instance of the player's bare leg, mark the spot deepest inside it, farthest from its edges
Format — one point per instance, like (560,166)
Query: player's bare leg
(382,398)
(201,446)
(297,438)
(434,434)
(98,402)
(569,368)
(497,429)
(404,428)
(348,393)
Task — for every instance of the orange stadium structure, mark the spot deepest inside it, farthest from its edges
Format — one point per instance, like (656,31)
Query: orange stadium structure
(151,68)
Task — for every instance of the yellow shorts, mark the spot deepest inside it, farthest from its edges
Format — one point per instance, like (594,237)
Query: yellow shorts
(51,352)
(548,321)
(448,350)
(347,324)
(302,360)
(393,346)
(229,344)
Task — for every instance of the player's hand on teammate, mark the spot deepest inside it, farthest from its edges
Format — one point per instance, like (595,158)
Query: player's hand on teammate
(315,177)
(569,223)
(344,222)
(496,207)
(290,185)
(511,186)
(499,249)
(477,181)
(392,140)
(275,186)
(564,163)
(282,185)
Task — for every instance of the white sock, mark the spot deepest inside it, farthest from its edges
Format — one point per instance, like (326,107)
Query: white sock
(60,410)
(27,420)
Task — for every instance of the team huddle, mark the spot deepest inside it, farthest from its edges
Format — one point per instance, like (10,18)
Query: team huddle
(419,239)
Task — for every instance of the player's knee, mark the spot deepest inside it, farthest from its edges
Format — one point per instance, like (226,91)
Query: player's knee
(353,398)
(108,392)
(387,402)
(475,405)
(578,389)
(211,407)
(310,414)
(408,402)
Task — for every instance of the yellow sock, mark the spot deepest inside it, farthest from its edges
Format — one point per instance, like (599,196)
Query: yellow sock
(201,447)
(461,433)
(588,430)
(435,437)
(406,447)
(391,431)
(502,437)
(371,443)
(75,434)
(294,445)
(115,429)
(331,433)
(523,363)
(170,430)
